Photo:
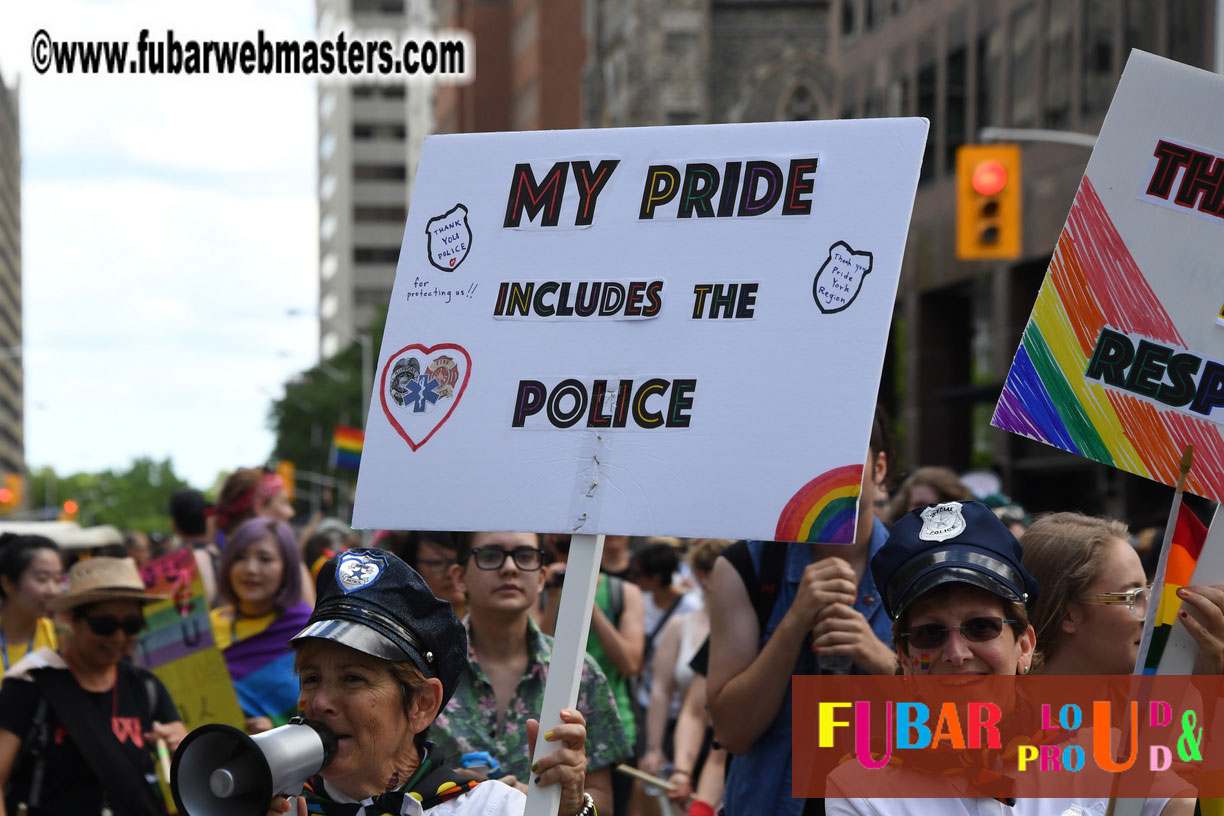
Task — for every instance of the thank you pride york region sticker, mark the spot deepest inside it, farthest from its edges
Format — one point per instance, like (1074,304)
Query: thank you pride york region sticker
(840,278)
(420,388)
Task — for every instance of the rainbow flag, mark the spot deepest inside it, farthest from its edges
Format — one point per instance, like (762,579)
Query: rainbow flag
(346,447)
(261,663)
(1188,536)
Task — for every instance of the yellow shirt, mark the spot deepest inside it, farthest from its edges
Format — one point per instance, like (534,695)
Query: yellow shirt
(227,631)
(44,638)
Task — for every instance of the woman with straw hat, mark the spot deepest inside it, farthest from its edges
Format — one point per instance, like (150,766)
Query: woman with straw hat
(77,728)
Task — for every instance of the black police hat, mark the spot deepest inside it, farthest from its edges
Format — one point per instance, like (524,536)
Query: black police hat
(371,601)
(950,542)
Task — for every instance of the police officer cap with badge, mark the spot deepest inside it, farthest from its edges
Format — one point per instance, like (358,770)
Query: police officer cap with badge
(378,659)
(951,578)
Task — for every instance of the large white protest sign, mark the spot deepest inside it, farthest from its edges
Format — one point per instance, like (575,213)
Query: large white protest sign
(1122,360)
(643,331)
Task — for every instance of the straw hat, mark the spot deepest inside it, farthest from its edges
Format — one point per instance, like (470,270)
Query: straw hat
(103,579)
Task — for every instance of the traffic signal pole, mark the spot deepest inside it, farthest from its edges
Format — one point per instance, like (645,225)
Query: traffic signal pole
(1067,137)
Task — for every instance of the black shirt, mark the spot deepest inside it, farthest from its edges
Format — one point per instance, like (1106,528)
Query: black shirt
(69,785)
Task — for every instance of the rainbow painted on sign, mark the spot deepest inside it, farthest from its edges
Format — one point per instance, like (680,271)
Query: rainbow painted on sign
(823,509)
(1094,283)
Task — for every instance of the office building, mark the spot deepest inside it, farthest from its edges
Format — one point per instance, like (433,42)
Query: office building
(369,140)
(12,435)
(965,65)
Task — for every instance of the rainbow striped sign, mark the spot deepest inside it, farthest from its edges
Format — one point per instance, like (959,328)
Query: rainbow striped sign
(1122,360)
(178,645)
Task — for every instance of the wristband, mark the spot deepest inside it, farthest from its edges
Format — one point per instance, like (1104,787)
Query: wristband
(588,806)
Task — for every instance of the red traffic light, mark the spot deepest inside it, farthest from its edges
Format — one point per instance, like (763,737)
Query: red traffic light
(6,495)
(989,177)
(70,507)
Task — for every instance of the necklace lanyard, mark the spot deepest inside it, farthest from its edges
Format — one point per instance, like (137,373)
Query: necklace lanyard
(4,645)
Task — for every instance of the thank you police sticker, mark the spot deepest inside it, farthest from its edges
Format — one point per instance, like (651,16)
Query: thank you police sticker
(449,238)
(941,522)
(358,570)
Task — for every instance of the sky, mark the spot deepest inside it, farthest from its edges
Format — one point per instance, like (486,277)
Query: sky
(169,224)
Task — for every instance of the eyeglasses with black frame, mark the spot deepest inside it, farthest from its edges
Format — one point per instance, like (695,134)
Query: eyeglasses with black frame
(1136,600)
(528,559)
(435,565)
(107,625)
(976,630)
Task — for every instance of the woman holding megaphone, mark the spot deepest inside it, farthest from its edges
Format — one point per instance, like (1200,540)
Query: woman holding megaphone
(378,659)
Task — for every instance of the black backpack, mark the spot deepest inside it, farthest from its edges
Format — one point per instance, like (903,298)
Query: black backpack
(762,589)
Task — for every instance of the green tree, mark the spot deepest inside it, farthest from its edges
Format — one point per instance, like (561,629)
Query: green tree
(320,398)
(137,498)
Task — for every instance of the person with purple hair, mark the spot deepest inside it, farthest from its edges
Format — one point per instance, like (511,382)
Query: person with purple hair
(260,579)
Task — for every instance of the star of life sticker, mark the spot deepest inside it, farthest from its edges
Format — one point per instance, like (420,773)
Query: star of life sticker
(941,522)
(358,570)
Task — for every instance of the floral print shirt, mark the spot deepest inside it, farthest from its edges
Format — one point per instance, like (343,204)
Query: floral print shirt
(469,721)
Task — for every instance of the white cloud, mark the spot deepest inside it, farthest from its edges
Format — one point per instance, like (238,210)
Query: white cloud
(168,224)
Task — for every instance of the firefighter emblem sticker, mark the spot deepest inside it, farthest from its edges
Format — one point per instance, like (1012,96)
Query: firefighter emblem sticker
(449,238)
(420,388)
(840,278)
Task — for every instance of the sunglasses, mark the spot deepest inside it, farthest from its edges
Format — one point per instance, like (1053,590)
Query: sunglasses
(106,625)
(528,559)
(975,630)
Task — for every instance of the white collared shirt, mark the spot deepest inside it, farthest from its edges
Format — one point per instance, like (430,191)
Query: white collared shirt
(490,798)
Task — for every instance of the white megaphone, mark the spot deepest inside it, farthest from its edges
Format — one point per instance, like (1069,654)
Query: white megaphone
(220,770)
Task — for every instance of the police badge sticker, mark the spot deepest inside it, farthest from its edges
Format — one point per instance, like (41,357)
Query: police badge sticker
(942,521)
(358,570)
(449,238)
(420,388)
(840,278)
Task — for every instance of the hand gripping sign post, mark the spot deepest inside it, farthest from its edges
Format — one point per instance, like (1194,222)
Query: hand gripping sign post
(654,331)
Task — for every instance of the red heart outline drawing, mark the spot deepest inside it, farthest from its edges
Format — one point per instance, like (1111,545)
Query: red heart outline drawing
(382,388)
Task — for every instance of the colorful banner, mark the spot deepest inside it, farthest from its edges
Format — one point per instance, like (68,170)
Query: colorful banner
(1122,360)
(648,331)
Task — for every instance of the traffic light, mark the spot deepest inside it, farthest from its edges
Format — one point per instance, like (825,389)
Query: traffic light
(10,493)
(988,202)
(71,509)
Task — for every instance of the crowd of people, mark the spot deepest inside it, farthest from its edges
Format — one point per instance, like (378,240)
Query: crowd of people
(427,651)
